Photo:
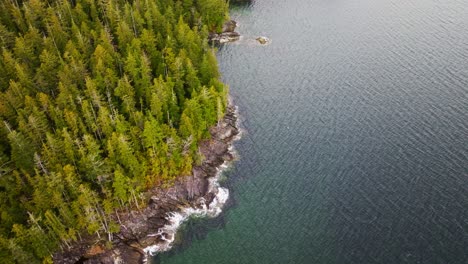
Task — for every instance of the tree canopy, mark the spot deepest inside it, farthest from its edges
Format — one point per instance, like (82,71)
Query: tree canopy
(99,101)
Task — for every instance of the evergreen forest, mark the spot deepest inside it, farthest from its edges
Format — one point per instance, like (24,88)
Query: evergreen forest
(100,100)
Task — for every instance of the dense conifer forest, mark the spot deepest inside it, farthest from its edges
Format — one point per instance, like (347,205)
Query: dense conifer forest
(99,101)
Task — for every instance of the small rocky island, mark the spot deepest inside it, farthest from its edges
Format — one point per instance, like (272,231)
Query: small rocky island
(263,40)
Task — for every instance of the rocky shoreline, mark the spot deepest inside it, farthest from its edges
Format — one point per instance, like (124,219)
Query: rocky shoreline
(228,33)
(153,228)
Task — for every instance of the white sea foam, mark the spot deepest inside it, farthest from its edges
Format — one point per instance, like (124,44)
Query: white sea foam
(169,231)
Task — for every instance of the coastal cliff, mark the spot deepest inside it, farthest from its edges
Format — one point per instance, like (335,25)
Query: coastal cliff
(154,226)
(100,102)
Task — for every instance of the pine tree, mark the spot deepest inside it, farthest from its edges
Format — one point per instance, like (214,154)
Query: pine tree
(22,151)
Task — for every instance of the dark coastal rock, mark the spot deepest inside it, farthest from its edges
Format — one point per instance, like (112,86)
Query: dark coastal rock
(224,37)
(209,198)
(178,192)
(132,256)
(158,221)
(228,156)
(124,254)
(197,185)
(210,171)
(229,26)
(263,40)
(227,35)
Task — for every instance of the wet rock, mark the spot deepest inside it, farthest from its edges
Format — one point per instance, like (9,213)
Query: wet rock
(167,236)
(224,37)
(227,35)
(210,171)
(198,187)
(131,255)
(209,198)
(228,157)
(229,26)
(227,133)
(158,221)
(263,40)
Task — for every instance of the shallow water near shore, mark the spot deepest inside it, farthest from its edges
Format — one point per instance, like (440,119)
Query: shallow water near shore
(356,136)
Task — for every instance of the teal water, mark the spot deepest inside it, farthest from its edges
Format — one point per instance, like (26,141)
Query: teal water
(356,142)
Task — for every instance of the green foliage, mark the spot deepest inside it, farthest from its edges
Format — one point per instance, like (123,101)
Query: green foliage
(99,101)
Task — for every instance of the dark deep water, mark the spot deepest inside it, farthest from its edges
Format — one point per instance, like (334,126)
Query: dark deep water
(356,148)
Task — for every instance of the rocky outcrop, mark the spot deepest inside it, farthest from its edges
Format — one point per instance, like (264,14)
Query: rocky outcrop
(224,37)
(228,33)
(263,40)
(141,228)
(229,26)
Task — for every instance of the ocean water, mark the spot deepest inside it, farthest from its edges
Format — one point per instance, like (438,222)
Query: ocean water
(355,147)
